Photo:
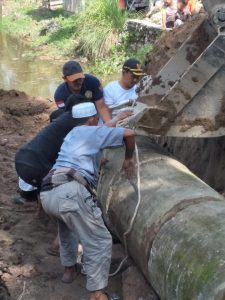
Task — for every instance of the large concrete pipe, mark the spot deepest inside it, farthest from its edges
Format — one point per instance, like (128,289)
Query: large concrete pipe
(178,236)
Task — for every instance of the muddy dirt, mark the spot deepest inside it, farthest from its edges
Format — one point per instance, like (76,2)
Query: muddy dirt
(169,42)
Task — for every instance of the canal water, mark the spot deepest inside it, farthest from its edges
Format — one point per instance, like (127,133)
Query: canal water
(21,71)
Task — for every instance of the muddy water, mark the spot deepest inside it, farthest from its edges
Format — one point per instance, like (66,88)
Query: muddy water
(20,70)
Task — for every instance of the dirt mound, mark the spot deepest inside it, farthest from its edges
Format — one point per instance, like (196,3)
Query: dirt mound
(21,117)
(18,109)
(169,42)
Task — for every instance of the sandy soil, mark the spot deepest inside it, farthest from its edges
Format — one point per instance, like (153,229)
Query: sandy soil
(29,272)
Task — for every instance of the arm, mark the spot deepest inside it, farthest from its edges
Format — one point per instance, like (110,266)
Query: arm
(59,97)
(128,164)
(120,116)
(163,19)
(103,110)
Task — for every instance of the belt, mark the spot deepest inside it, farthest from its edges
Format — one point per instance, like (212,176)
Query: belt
(64,175)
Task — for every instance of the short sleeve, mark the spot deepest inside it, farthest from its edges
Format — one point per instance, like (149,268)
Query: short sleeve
(96,87)
(60,96)
(107,95)
(110,137)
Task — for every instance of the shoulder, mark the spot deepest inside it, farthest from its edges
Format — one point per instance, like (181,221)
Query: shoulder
(92,88)
(61,90)
(92,80)
(111,85)
(61,87)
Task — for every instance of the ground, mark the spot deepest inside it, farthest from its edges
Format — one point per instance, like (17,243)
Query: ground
(29,272)
(26,268)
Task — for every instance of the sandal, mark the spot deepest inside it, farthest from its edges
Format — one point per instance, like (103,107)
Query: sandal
(70,278)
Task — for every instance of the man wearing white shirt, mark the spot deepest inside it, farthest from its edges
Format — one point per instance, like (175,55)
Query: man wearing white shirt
(124,89)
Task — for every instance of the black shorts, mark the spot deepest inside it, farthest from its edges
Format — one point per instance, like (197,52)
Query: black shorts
(29,168)
(30,174)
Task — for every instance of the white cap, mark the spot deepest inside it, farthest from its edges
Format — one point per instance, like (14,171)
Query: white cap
(84,110)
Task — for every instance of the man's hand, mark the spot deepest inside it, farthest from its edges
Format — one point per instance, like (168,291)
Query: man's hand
(128,167)
(123,115)
(119,117)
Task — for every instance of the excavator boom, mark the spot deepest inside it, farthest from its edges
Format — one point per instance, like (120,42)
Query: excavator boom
(187,96)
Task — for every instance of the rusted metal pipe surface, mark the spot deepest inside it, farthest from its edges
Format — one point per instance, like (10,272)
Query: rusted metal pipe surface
(174,238)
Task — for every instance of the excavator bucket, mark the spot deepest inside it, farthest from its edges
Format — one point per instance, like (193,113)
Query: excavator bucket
(187,97)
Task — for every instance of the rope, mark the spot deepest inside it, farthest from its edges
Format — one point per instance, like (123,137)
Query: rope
(134,215)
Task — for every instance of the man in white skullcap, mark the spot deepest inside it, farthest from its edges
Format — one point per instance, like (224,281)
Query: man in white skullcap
(67,195)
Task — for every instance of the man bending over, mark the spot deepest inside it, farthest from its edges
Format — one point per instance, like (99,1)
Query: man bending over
(67,195)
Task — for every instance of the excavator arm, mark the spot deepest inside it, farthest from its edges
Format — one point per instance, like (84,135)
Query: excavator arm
(216,11)
(187,96)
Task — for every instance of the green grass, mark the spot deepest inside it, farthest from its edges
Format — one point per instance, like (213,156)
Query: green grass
(98,27)
(27,22)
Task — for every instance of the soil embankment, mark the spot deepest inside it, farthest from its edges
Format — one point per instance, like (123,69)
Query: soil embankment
(204,157)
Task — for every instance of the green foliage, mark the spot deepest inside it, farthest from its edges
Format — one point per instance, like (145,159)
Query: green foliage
(98,27)
(96,32)
(113,62)
(30,20)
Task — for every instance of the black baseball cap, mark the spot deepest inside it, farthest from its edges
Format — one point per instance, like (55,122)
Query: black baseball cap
(72,70)
(134,66)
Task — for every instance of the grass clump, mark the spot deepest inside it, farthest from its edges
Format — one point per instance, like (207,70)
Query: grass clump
(98,27)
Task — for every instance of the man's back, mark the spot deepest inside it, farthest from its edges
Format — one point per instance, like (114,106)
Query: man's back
(84,155)
(42,150)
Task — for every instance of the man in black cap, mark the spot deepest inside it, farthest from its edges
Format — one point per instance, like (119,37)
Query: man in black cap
(125,88)
(76,82)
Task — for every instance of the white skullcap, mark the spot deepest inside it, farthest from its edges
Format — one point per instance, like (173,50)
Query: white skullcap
(84,110)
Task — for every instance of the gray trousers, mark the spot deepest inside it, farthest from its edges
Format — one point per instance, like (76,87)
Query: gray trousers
(79,219)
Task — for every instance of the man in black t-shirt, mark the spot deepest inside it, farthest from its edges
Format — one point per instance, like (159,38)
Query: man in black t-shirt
(36,158)
(76,82)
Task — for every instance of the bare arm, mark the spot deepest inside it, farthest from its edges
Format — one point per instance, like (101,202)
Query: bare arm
(103,110)
(128,164)
(163,19)
(119,117)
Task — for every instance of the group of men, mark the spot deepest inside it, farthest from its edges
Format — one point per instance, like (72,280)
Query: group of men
(176,12)
(63,162)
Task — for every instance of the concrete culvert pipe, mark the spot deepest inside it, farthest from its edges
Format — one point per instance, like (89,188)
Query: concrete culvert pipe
(178,235)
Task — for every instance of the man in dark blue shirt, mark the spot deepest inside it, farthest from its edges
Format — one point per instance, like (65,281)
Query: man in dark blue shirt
(76,82)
